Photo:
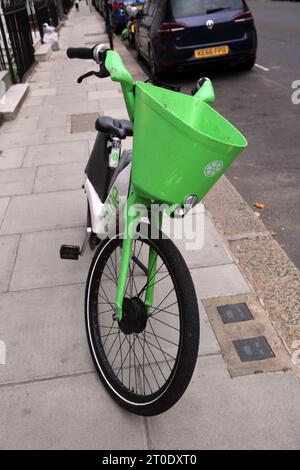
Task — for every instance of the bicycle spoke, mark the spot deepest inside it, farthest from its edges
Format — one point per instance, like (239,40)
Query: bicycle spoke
(165,311)
(142,370)
(167,324)
(159,345)
(157,363)
(117,353)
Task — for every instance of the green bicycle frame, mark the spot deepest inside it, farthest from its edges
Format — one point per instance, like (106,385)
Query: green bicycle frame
(120,74)
(138,193)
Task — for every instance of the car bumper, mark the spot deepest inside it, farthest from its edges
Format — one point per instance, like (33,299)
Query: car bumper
(184,57)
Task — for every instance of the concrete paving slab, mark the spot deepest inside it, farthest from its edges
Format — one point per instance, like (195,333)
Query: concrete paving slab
(58,134)
(36,111)
(22,138)
(105,94)
(38,212)
(8,250)
(70,413)
(218,281)
(3,206)
(52,321)
(34,101)
(208,342)
(53,120)
(59,177)
(16,181)
(11,158)
(39,265)
(199,241)
(258,412)
(70,98)
(62,152)
(27,124)
(43,92)
(76,108)
(74,89)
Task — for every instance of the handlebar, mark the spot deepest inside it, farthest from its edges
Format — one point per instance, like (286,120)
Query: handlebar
(111,65)
(80,53)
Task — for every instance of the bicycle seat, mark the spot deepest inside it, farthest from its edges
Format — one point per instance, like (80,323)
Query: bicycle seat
(120,128)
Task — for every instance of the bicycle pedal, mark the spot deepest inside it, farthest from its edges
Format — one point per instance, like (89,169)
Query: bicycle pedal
(71,252)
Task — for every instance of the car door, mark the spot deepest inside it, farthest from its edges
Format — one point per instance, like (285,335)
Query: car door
(145,25)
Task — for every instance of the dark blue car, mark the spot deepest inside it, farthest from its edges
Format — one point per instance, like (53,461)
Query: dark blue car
(183,34)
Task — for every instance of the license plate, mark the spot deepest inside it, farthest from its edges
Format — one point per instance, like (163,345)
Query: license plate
(211,52)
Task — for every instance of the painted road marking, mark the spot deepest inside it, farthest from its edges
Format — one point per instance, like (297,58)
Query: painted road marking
(261,67)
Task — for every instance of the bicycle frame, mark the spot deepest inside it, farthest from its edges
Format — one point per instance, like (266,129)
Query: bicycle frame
(119,73)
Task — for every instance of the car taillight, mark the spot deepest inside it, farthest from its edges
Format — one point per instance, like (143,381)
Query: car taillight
(171,27)
(243,17)
(117,5)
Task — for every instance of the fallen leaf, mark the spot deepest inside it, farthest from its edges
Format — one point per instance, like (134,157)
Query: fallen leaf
(272,232)
(259,205)
(257,214)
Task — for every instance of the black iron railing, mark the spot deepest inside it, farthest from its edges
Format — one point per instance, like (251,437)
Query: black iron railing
(16,33)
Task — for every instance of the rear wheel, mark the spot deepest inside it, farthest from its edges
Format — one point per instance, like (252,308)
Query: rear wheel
(145,361)
(247,64)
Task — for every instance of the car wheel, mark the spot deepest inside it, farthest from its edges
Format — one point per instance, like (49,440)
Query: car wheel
(155,71)
(138,53)
(247,64)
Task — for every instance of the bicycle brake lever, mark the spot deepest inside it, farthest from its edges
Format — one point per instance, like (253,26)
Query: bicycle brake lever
(103,73)
(86,75)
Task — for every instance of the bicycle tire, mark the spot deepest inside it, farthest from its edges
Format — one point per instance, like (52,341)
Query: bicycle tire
(173,389)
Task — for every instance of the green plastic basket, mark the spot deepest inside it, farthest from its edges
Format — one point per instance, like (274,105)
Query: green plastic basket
(181,145)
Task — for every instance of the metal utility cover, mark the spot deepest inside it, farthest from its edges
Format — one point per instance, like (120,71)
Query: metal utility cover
(253,349)
(83,122)
(233,313)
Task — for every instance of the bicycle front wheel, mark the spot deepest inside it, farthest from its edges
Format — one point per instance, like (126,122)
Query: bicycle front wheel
(146,361)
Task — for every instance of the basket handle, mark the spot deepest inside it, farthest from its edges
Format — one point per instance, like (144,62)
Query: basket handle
(206,92)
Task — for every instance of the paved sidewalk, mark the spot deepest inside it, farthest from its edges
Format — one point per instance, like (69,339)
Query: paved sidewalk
(50,396)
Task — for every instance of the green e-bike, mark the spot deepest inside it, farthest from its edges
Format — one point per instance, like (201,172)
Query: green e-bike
(141,308)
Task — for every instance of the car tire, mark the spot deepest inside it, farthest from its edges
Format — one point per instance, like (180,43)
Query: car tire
(247,64)
(155,71)
(138,53)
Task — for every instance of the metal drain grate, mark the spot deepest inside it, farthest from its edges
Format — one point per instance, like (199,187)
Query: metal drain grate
(233,313)
(253,349)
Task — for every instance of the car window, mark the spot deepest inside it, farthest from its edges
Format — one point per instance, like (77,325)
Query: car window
(181,8)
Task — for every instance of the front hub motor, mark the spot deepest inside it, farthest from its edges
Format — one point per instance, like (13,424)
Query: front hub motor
(134,319)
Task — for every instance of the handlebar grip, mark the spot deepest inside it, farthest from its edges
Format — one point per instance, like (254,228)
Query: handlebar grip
(80,53)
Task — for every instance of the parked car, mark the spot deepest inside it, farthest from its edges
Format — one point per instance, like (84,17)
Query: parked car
(182,34)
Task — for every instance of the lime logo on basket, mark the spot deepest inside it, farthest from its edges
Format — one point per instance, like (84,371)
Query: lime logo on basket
(213,168)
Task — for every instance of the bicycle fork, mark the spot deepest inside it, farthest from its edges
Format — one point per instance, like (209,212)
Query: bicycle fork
(132,219)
